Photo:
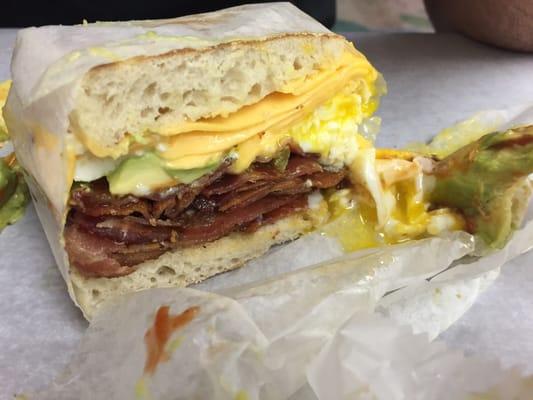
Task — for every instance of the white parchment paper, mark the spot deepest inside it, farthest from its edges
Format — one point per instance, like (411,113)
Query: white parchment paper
(314,326)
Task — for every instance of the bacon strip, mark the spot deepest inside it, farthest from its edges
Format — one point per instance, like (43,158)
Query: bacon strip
(297,205)
(215,226)
(91,254)
(108,236)
(96,201)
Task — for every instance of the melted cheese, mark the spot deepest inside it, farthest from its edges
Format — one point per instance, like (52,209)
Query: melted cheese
(194,161)
(247,152)
(294,98)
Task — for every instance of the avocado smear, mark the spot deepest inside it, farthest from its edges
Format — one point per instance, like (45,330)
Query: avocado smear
(488,181)
(14,194)
(140,175)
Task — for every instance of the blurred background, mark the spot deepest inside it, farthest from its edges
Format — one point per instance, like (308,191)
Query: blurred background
(503,23)
(341,15)
(382,15)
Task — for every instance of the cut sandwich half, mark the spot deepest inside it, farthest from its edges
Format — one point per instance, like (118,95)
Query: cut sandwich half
(164,152)
(234,143)
(160,153)
(190,163)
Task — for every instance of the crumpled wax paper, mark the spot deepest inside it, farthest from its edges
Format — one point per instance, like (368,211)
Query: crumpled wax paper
(357,325)
(314,326)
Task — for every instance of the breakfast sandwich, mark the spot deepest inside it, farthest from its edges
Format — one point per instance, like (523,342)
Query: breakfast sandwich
(160,153)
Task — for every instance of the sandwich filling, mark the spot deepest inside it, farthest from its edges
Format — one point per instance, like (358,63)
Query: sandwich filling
(109,235)
(177,185)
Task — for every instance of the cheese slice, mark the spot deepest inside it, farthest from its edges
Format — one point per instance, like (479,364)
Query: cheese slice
(274,113)
(295,98)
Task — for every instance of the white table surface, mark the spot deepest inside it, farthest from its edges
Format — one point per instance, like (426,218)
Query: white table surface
(433,81)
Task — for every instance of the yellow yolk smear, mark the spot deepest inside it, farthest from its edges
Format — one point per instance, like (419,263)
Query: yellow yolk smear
(352,222)
(355,221)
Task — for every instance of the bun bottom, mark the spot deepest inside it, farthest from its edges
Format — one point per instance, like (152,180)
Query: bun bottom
(184,267)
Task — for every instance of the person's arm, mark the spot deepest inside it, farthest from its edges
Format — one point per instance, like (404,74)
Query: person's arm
(503,23)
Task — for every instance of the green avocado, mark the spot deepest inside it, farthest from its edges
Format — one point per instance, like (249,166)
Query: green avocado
(7,182)
(488,181)
(14,194)
(139,175)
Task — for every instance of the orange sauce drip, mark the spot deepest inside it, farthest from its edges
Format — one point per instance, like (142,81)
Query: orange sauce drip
(157,337)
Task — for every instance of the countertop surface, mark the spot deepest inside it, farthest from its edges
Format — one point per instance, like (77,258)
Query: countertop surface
(433,81)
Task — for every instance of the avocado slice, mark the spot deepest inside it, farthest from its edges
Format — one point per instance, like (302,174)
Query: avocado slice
(139,175)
